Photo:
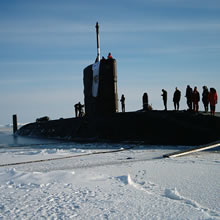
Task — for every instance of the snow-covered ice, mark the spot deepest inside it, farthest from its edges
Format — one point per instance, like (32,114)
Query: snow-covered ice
(132,184)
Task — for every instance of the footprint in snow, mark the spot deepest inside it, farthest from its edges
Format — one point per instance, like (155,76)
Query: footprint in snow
(123,179)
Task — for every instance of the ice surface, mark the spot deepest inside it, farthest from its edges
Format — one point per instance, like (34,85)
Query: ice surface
(133,184)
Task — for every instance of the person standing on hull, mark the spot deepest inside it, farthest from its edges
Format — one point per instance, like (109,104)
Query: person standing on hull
(145,101)
(189,97)
(81,112)
(122,100)
(76,106)
(176,99)
(195,99)
(164,95)
(110,56)
(213,99)
(205,98)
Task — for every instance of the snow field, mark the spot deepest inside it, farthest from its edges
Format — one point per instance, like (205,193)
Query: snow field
(133,184)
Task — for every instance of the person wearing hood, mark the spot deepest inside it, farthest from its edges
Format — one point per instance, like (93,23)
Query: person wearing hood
(205,98)
(176,99)
(164,95)
(213,99)
(189,97)
(195,99)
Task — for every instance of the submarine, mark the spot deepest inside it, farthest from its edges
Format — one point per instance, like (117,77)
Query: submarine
(102,122)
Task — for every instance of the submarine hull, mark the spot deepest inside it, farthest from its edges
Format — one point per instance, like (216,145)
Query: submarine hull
(150,127)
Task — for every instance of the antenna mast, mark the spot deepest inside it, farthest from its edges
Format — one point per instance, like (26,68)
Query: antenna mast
(97,37)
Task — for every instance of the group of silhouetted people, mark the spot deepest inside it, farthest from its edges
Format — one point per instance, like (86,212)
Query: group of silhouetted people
(209,97)
(193,99)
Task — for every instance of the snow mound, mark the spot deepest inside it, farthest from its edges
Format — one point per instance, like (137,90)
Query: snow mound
(137,185)
(173,194)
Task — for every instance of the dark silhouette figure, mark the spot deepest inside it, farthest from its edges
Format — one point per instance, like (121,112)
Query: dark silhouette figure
(205,98)
(122,100)
(110,56)
(195,99)
(164,95)
(213,99)
(79,110)
(176,99)
(145,101)
(189,97)
(76,106)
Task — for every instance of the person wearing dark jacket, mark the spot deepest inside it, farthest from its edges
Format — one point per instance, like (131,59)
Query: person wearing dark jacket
(164,95)
(195,99)
(205,98)
(176,99)
(213,99)
(189,97)
(76,106)
(122,100)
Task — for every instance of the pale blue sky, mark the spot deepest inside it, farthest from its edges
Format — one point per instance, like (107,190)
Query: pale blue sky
(46,44)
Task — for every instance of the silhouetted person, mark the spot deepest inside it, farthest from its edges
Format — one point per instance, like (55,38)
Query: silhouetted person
(164,95)
(122,100)
(195,99)
(110,56)
(76,106)
(205,98)
(189,97)
(176,99)
(145,101)
(213,99)
(81,112)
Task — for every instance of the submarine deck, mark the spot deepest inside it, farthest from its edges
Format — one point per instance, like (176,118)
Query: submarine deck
(151,127)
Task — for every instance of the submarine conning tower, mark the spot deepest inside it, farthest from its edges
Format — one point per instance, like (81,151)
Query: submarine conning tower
(100,85)
(100,88)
